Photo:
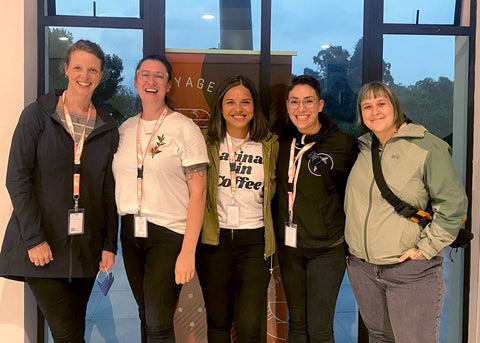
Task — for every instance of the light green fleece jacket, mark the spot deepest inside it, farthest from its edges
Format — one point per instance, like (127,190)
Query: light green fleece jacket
(416,165)
(211,228)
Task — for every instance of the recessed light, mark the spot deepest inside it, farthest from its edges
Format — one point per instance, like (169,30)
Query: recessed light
(207,17)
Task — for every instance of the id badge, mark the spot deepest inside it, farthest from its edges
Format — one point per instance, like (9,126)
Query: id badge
(141,226)
(76,221)
(233,216)
(291,234)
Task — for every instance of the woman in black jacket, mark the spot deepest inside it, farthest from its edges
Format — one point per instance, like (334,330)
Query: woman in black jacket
(314,160)
(63,228)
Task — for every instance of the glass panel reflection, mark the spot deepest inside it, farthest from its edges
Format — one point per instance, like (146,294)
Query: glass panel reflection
(104,8)
(429,11)
(116,89)
(212,24)
(430,78)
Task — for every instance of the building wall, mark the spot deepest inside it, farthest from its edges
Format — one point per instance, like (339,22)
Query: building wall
(474,318)
(18,87)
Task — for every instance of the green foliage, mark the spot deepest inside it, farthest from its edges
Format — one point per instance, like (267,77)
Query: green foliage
(110,93)
(428,102)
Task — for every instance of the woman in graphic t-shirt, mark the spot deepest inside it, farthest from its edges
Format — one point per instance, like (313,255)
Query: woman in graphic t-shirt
(234,256)
(160,174)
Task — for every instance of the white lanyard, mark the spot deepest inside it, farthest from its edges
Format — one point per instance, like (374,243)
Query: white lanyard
(77,147)
(141,155)
(293,170)
(233,163)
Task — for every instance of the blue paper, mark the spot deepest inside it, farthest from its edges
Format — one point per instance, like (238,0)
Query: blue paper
(106,283)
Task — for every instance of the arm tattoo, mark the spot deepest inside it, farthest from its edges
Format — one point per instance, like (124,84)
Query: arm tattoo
(200,168)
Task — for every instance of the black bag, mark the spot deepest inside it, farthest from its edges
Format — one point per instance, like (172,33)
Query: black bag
(421,217)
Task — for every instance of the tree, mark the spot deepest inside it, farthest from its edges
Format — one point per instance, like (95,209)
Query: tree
(117,99)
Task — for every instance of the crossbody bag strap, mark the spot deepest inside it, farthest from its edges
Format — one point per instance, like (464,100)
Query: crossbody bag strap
(418,216)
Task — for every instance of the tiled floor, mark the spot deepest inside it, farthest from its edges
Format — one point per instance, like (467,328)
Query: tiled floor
(114,319)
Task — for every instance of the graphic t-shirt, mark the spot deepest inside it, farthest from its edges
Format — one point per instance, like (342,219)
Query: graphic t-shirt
(250,177)
(177,144)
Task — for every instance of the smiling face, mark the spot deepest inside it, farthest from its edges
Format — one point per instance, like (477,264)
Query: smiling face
(151,82)
(303,107)
(237,110)
(84,73)
(378,115)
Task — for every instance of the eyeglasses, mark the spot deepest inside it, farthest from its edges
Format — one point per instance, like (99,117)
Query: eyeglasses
(145,75)
(308,103)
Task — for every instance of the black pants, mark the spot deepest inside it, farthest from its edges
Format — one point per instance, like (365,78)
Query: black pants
(64,305)
(311,279)
(150,267)
(234,276)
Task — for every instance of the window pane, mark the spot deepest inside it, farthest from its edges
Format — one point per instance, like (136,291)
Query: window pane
(116,89)
(326,48)
(430,79)
(430,11)
(192,24)
(104,8)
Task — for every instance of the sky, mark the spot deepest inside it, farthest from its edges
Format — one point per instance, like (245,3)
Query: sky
(300,27)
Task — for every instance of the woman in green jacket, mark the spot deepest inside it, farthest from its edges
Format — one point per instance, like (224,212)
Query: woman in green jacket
(234,256)
(395,265)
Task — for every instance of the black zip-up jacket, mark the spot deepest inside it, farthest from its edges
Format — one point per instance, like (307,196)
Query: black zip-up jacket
(40,184)
(318,207)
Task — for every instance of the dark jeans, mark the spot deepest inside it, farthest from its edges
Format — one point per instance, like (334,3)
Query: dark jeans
(400,302)
(150,267)
(311,279)
(234,276)
(64,305)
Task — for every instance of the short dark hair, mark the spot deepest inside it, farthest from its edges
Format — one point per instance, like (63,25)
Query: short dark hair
(87,46)
(163,60)
(217,127)
(160,58)
(306,80)
(378,89)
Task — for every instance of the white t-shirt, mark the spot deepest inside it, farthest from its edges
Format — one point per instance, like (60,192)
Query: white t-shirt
(165,191)
(249,194)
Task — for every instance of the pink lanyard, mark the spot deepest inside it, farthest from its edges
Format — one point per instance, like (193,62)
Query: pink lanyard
(141,155)
(293,169)
(78,148)
(233,163)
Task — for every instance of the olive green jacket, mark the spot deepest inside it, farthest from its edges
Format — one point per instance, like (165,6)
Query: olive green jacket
(416,166)
(211,227)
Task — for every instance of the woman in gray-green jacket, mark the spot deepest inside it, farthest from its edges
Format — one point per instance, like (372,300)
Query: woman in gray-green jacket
(234,256)
(395,265)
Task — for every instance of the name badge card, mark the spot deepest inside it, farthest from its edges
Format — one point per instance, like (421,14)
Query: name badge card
(76,221)
(141,226)
(233,216)
(291,235)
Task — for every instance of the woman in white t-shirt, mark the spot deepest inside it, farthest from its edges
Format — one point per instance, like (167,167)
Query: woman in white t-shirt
(160,174)
(234,256)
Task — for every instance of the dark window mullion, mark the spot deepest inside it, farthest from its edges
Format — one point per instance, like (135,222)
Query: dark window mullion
(99,22)
(424,29)
(265,59)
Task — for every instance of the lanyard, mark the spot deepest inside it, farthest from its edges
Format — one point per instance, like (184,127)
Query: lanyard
(141,154)
(77,148)
(233,163)
(293,170)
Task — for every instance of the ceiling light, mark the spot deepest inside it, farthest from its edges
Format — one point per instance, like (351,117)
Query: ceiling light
(207,17)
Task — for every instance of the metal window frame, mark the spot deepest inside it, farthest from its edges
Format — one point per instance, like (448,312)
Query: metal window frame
(374,29)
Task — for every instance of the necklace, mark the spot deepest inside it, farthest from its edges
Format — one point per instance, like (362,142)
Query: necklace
(145,130)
